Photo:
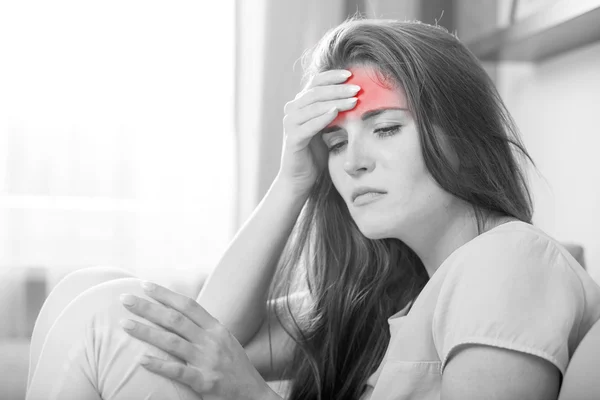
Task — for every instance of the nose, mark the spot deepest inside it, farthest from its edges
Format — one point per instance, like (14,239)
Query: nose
(357,159)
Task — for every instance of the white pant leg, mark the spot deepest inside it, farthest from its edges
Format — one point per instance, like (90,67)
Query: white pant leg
(88,356)
(61,295)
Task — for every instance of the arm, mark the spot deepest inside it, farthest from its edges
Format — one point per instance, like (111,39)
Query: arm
(485,372)
(235,292)
(282,345)
(504,318)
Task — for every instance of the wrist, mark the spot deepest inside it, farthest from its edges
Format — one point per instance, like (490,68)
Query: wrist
(288,191)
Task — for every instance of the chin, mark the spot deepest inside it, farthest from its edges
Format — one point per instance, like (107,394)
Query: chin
(374,235)
(374,228)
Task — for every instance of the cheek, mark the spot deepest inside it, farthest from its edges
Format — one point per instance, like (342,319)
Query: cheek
(409,178)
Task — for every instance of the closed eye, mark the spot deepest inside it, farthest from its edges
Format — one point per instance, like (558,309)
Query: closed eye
(388,131)
(381,132)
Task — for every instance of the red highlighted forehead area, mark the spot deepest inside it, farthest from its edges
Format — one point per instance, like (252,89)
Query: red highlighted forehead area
(371,96)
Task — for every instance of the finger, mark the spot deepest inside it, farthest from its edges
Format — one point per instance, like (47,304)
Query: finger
(307,113)
(185,305)
(325,93)
(321,94)
(166,341)
(177,371)
(329,77)
(163,316)
(315,125)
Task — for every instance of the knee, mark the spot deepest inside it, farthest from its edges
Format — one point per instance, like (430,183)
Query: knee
(100,305)
(77,281)
(72,286)
(88,330)
(88,277)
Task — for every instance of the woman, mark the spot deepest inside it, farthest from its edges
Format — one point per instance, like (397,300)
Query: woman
(410,268)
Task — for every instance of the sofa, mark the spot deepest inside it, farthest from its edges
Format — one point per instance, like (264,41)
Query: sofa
(22,293)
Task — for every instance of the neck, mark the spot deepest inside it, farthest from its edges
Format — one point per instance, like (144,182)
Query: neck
(437,239)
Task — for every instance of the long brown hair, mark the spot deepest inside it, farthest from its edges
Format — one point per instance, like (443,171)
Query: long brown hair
(356,283)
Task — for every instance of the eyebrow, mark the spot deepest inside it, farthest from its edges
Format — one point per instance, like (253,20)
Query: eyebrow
(364,117)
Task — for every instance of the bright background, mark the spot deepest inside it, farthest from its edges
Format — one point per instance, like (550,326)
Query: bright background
(142,134)
(116,135)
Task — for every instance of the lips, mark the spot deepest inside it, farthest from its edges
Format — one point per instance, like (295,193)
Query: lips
(367,198)
(367,194)
(364,190)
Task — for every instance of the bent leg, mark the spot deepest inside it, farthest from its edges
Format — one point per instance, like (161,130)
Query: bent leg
(63,293)
(88,356)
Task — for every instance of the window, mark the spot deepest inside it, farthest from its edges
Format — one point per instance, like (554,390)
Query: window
(116,135)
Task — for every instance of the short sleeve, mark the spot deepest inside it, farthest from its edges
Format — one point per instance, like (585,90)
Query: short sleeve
(513,290)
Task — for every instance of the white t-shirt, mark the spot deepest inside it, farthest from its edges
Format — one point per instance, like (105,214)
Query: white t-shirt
(512,287)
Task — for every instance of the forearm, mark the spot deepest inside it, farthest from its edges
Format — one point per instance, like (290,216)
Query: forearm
(235,292)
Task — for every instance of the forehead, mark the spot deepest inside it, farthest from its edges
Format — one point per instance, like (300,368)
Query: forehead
(372,95)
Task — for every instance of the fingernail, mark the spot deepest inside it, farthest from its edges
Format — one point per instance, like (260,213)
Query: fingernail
(346,74)
(127,324)
(353,88)
(127,299)
(148,286)
(144,360)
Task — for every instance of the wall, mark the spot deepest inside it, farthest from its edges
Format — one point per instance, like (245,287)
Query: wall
(554,103)
(439,12)
(115,144)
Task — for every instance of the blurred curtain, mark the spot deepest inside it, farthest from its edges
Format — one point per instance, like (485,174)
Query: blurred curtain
(116,136)
(271,37)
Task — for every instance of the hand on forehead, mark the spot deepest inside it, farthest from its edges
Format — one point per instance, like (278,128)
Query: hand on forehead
(371,96)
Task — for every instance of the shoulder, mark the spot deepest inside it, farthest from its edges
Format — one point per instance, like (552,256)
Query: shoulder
(510,268)
(507,308)
(514,238)
(516,250)
(511,287)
